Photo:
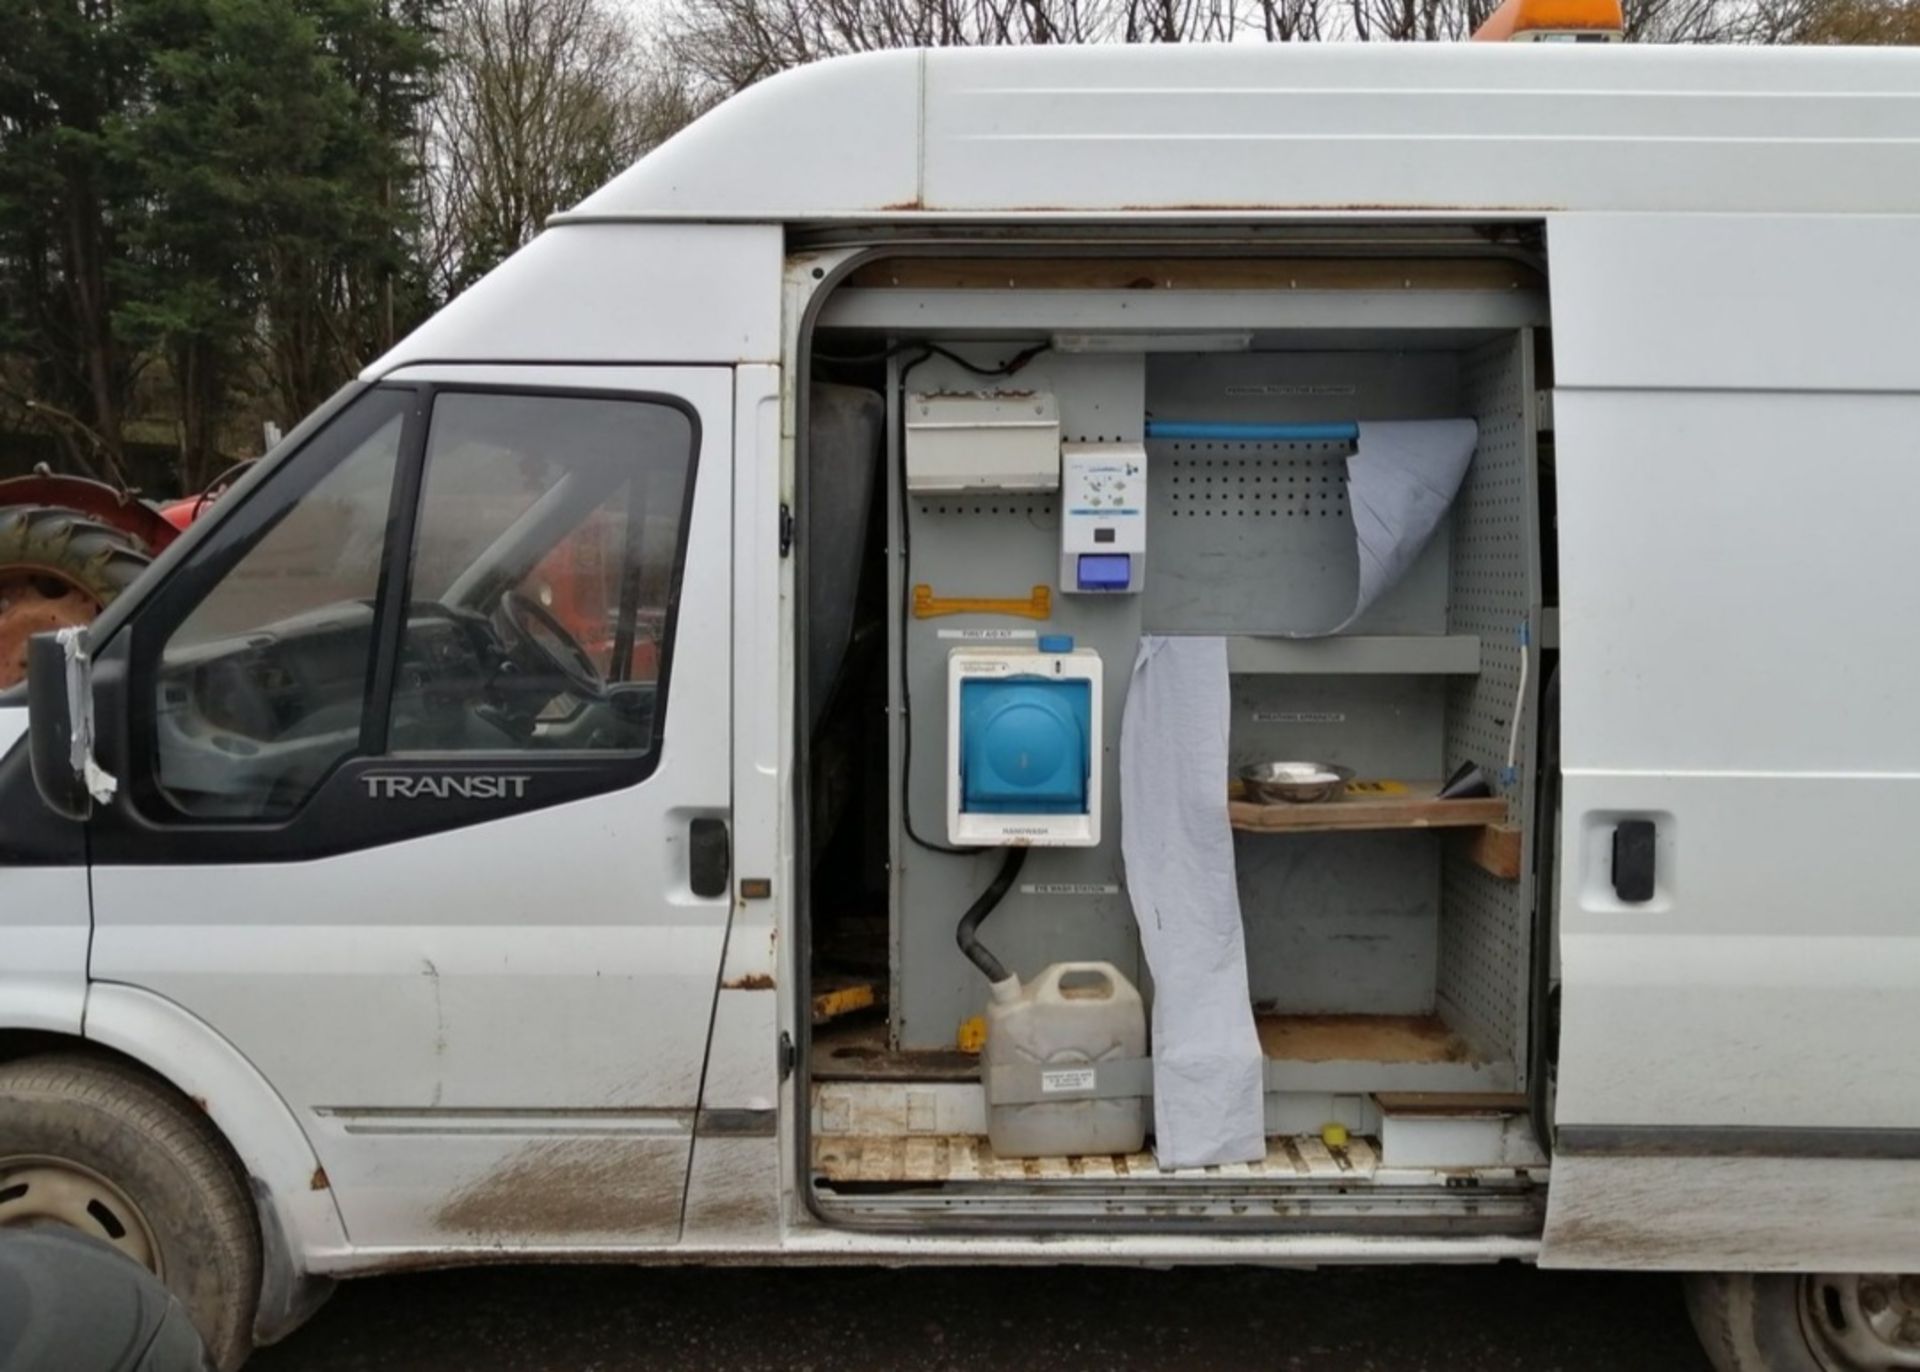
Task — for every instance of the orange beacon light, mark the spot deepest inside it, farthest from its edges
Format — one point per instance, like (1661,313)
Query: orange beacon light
(1553,21)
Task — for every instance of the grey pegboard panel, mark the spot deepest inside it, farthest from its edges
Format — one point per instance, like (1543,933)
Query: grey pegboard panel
(1038,510)
(1305,481)
(1001,545)
(1494,590)
(1340,923)
(1257,538)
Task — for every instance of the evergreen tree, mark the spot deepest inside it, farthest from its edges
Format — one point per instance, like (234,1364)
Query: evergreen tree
(224,190)
(66,71)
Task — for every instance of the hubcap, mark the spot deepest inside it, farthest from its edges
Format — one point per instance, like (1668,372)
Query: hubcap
(36,602)
(1863,1323)
(53,1191)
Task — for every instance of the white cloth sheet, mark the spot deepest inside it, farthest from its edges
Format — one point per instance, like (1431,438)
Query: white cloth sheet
(1208,1070)
(1401,481)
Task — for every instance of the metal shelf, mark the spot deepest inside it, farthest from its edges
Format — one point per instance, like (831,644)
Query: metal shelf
(1356,654)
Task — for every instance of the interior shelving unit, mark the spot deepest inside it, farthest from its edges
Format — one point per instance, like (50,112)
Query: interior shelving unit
(1386,934)
(1418,808)
(1486,839)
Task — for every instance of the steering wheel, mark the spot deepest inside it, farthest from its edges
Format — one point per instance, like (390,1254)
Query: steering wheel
(537,627)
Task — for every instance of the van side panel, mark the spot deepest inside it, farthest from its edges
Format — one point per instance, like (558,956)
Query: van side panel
(46,918)
(1659,302)
(1738,475)
(1250,130)
(733,1185)
(601,294)
(249,1113)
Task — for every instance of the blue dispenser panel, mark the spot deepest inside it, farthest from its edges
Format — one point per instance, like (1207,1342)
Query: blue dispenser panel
(1024,745)
(1105,571)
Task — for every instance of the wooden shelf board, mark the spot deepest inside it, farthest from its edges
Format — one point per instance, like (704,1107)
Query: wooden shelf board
(1360,1038)
(1419,808)
(1495,850)
(1444,1104)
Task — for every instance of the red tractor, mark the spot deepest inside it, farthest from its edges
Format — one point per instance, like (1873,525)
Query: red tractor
(68,546)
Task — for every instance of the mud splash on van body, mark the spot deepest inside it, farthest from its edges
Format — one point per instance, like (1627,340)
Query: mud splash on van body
(569,1189)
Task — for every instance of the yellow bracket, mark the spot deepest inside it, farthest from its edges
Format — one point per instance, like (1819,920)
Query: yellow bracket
(972,1036)
(926,605)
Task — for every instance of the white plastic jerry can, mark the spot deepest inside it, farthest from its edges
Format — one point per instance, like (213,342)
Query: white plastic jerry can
(1065,1064)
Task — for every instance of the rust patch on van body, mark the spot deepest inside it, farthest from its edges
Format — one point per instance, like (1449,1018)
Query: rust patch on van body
(752,981)
(318,1181)
(577,1187)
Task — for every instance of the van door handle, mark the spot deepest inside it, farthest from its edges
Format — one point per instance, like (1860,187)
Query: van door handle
(709,857)
(1633,861)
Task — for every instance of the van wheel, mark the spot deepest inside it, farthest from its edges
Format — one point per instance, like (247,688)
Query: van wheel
(1807,1323)
(98,1147)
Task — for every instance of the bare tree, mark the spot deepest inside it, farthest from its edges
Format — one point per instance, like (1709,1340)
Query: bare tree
(1292,21)
(727,45)
(541,101)
(721,46)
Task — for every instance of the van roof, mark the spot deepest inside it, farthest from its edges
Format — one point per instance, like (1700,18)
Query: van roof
(1233,131)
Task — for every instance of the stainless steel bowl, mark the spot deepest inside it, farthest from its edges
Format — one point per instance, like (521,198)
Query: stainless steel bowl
(1294,783)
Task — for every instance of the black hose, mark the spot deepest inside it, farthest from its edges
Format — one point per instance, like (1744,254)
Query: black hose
(927,351)
(967,934)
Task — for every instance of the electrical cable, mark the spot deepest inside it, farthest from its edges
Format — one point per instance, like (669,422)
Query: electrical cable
(966,934)
(1519,705)
(1007,368)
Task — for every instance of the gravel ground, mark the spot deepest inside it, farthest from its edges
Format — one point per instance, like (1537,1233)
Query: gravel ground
(1505,1319)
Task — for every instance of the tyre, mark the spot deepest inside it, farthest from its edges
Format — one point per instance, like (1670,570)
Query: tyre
(99,1147)
(58,568)
(1789,1322)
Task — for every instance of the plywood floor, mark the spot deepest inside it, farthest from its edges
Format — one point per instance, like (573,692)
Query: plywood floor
(1361,1038)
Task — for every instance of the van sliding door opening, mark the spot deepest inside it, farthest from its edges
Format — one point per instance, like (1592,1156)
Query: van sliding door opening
(1030,502)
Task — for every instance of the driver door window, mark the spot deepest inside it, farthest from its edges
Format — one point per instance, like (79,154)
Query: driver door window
(543,575)
(499,580)
(262,687)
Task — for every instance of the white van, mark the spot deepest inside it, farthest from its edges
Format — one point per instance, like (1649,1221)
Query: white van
(531,815)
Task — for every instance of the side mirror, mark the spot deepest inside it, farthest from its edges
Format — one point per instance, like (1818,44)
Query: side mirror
(60,724)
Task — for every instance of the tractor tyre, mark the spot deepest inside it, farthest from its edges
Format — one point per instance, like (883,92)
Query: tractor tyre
(58,569)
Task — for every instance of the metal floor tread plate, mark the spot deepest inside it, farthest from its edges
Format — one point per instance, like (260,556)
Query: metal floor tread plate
(1301,1185)
(963,1158)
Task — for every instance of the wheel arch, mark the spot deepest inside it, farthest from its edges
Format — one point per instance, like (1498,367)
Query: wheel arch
(294,1205)
(96,500)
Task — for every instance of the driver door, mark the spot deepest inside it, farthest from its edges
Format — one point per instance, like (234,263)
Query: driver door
(425,784)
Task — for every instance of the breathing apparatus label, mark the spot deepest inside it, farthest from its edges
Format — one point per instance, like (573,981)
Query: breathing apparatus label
(1059,1080)
(1299,717)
